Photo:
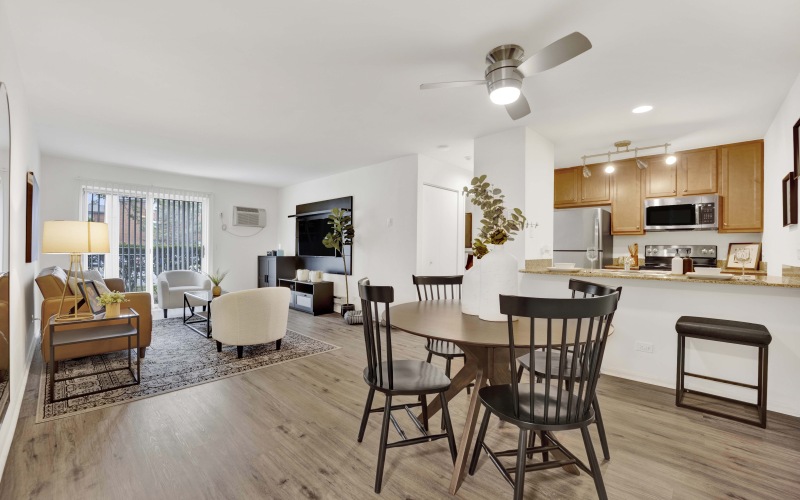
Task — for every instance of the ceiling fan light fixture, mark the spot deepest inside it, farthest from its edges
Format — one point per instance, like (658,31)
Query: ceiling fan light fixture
(502,95)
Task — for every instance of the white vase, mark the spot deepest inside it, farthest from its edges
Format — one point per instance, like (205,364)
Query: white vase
(471,289)
(498,277)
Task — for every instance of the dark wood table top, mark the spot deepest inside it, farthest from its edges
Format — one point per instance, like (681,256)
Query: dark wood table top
(443,320)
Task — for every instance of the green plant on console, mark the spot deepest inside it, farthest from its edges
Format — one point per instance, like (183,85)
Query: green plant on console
(341,235)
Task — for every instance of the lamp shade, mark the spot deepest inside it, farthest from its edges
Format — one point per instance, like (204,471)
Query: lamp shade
(67,236)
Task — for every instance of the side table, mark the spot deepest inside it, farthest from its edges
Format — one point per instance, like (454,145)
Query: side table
(91,330)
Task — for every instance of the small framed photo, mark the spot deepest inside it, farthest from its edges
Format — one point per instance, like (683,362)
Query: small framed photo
(91,296)
(747,254)
(789,199)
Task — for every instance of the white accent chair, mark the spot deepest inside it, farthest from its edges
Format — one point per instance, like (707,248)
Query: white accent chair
(173,284)
(251,317)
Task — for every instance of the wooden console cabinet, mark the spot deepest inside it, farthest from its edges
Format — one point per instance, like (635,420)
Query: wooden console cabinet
(313,298)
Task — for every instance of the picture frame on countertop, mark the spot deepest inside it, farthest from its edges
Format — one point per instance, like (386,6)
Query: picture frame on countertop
(751,264)
(91,296)
(789,191)
(796,142)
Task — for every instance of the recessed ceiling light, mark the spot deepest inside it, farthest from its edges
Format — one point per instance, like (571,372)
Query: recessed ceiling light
(443,147)
(468,158)
(642,109)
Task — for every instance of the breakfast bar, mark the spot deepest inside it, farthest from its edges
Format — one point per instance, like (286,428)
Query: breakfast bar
(644,346)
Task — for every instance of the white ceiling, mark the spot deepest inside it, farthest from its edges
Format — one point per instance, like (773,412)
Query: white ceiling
(278,92)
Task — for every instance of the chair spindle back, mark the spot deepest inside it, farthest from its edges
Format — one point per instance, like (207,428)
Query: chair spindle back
(579,326)
(437,287)
(372,297)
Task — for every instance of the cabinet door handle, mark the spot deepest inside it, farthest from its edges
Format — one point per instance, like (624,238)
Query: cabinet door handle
(685,190)
(673,191)
(637,227)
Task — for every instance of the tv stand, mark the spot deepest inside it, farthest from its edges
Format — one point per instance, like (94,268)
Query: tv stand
(309,297)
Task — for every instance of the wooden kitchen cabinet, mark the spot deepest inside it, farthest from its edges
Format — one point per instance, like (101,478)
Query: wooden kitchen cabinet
(627,208)
(697,172)
(661,180)
(596,189)
(567,187)
(742,187)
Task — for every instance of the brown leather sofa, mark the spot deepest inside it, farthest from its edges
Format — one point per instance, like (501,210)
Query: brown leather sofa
(51,282)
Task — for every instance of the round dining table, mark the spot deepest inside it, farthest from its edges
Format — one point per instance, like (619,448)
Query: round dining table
(485,344)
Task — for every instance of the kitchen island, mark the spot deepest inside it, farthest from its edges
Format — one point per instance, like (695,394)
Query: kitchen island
(644,346)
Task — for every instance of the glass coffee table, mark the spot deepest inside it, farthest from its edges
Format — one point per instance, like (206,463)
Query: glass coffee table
(193,300)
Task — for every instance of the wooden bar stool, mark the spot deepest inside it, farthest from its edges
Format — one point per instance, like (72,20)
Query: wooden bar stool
(734,332)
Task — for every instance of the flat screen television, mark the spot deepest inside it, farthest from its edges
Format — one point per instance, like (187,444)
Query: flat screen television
(310,233)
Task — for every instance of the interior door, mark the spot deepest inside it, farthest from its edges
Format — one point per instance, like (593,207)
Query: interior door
(439,239)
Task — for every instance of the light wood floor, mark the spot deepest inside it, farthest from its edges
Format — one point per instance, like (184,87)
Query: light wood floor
(289,431)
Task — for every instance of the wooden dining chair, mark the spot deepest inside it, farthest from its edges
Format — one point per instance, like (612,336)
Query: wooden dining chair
(580,325)
(437,288)
(579,289)
(394,378)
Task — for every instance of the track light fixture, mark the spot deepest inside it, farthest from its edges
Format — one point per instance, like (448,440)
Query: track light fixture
(623,147)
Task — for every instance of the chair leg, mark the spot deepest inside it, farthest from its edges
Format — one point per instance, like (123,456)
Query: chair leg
(601,429)
(364,418)
(451,441)
(545,442)
(531,442)
(219,346)
(520,371)
(239,351)
(446,372)
(476,453)
(519,476)
(278,344)
(165,314)
(424,401)
(430,357)
(387,411)
(593,464)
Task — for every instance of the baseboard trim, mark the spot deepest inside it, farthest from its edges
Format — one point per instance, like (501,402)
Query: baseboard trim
(14,406)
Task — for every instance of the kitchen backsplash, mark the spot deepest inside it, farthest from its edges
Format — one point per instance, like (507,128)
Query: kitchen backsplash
(721,240)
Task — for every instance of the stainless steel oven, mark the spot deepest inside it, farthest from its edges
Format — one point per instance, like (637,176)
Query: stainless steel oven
(681,213)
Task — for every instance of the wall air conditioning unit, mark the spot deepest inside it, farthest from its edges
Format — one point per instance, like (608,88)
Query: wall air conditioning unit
(249,217)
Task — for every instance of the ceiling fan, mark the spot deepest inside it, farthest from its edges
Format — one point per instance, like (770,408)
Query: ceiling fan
(507,69)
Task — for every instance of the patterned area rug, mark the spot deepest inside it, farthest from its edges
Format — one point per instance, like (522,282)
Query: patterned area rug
(177,358)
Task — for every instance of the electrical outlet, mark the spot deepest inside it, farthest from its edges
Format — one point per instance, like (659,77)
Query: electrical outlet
(643,347)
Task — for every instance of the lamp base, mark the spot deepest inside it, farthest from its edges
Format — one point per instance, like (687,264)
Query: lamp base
(76,264)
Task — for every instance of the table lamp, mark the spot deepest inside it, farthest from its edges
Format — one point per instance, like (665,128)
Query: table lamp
(74,238)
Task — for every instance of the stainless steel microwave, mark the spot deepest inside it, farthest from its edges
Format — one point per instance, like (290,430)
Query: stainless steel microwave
(682,213)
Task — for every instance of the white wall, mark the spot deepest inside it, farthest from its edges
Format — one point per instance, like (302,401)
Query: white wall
(433,172)
(539,179)
(781,244)
(60,193)
(520,162)
(384,252)
(24,157)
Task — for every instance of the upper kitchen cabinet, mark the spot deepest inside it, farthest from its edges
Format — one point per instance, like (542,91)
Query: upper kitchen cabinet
(661,180)
(626,200)
(595,189)
(567,187)
(572,189)
(697,172)
(742,187)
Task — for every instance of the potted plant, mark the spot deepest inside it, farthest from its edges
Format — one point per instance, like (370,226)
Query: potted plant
(498,268)
(341,235)
(111,301)
(216,278)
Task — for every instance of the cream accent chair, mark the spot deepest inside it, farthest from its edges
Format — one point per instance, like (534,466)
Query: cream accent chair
(251,317)
(172,285)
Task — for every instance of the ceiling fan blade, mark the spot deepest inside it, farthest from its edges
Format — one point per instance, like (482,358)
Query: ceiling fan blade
(447,85)
(518,108)
(554,54)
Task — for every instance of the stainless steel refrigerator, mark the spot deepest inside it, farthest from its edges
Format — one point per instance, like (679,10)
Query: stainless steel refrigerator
(576,229)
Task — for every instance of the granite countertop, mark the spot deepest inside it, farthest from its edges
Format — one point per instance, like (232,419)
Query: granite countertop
(774,281)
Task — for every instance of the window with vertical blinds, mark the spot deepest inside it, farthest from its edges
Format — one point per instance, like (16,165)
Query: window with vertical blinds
(151,230)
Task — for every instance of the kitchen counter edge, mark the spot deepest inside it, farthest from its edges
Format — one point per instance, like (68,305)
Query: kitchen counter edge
(773,281)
